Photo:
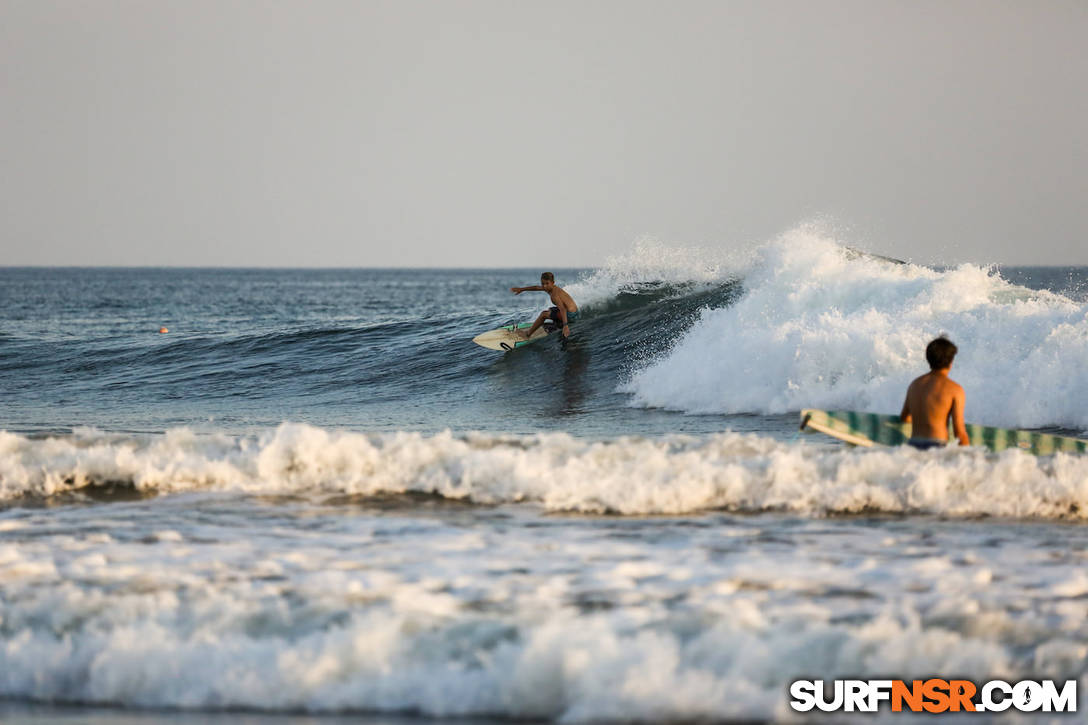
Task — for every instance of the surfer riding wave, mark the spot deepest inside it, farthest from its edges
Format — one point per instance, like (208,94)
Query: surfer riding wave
(564,311)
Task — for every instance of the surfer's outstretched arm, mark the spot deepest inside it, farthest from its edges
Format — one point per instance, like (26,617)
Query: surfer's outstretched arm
(534,288)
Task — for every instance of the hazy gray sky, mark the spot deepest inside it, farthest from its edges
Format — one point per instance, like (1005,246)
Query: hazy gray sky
(501,133)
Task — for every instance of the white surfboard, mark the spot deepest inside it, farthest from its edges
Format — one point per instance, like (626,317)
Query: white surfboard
(505,338)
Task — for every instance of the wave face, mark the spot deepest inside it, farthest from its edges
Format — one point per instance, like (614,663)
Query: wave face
(798,322)
(820,327)
(629,476)
(366,349)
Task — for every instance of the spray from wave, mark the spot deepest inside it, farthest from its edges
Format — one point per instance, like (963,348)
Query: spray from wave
(653,270)
(819,326)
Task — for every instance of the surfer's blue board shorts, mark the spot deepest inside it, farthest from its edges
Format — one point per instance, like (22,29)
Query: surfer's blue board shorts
(571,317)
(924,444)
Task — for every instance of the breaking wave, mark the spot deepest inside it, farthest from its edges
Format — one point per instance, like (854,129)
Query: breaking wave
(821,326)
(626,475)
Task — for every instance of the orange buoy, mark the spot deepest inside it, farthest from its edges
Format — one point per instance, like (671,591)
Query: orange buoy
(163,330)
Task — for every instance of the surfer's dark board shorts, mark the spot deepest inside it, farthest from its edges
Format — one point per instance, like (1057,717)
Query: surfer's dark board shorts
(571,317)
(924,444)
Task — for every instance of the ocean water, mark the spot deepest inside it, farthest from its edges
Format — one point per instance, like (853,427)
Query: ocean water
(315,500)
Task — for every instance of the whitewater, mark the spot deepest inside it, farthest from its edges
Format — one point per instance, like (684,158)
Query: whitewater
(819,327)
(315,498)
(560,473)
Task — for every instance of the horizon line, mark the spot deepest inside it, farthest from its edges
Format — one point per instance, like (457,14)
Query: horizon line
(277,267)
(272,268)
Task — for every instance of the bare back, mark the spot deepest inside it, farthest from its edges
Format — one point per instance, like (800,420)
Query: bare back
(930,400)
(560,298)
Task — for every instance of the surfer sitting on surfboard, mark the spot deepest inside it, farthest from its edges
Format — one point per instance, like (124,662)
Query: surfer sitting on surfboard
(564,312)
(932,398)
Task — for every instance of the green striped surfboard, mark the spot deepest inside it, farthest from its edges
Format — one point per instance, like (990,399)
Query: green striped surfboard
(868,429)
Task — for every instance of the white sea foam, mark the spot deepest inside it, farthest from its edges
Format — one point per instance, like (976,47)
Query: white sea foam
(821,327)
(288,608)
(677,474)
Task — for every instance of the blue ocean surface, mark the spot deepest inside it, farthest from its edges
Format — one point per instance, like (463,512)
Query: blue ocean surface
(361,349)
(314,497)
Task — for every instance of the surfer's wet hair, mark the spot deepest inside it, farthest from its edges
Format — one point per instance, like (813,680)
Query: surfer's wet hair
(547,277)
(940,353)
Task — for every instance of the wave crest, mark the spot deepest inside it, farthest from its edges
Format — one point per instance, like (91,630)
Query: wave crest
(819,327)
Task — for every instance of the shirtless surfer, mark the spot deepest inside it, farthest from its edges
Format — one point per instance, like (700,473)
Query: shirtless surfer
(564,312)
(932,398)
